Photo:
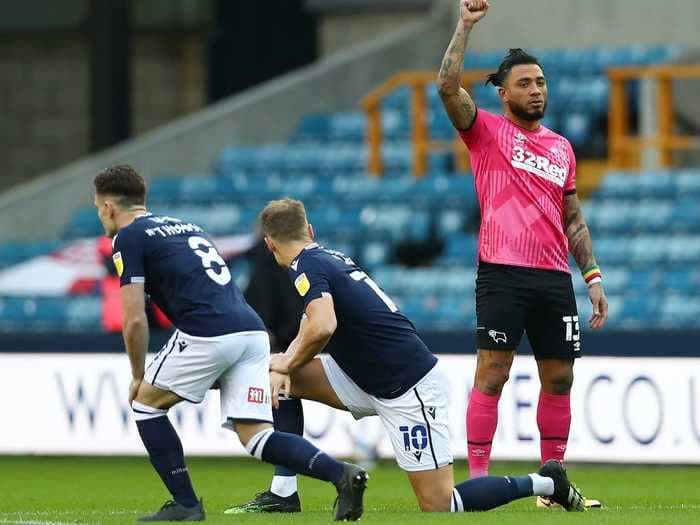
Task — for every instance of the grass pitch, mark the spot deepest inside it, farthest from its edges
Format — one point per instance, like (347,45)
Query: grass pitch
(47,490)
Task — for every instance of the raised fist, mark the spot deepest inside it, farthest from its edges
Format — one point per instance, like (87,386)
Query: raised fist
(471,11)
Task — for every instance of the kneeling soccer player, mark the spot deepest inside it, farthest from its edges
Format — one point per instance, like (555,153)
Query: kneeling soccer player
(219,338)
(377,365)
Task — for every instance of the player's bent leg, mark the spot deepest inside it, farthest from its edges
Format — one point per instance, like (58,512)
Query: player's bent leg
(165,451)
(310,382)
(433,488)
(492,371)
(299,455)
(155,397)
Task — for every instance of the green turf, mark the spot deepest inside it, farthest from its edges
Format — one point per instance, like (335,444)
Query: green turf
(38,490)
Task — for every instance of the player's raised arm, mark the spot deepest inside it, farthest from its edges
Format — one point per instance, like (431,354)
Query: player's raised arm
(459,105)
(581,247)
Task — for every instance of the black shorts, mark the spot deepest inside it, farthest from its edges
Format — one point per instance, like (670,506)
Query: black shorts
(511,300)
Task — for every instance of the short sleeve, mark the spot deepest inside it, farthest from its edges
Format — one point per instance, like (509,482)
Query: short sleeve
(310,279)
(482,131)
(570,183)
(128,256)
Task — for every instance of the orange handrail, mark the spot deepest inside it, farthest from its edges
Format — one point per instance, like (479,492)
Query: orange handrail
(623,147)
(420,135)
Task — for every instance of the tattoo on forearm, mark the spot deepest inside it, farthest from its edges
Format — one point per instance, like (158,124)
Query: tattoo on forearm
(453,61)
(580,244)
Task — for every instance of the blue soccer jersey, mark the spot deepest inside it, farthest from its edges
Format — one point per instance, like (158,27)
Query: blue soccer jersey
(374,343)
(184,274)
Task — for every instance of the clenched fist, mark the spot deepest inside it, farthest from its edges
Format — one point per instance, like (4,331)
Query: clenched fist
(471,11)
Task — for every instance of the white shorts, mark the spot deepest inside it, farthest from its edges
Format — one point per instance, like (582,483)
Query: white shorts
(417,422)
(189,366)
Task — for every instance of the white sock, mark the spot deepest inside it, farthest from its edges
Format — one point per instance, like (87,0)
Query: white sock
(284,486)
(541,486)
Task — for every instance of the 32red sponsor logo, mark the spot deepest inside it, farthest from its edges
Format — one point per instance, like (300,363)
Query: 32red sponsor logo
(256,395)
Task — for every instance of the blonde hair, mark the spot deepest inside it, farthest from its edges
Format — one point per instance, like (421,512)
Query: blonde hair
(284,220)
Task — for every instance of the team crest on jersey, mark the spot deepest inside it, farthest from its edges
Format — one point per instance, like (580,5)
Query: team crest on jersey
(118,263)
(302,284)
(519,137)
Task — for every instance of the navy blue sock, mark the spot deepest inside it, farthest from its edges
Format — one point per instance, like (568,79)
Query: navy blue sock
(165,450)
(298,455)
(490,492)
(289,418)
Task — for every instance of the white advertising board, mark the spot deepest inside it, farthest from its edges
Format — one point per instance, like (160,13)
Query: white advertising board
(624,410)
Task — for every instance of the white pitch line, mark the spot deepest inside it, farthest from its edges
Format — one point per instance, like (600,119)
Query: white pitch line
(36,522)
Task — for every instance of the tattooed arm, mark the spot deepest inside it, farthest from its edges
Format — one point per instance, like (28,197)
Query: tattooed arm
(581,248)
(458,104)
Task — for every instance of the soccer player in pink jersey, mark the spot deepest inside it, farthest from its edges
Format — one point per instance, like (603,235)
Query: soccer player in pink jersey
(525,177)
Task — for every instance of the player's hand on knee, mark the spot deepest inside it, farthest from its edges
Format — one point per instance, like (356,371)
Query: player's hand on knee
(279,363)
(280,384)
(134,388)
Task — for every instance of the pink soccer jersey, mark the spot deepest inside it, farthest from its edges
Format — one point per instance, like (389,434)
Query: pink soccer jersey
(521,179)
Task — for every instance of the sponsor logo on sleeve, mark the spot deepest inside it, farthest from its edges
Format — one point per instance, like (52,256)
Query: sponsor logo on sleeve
(256,395)
(118,263)
(302,284)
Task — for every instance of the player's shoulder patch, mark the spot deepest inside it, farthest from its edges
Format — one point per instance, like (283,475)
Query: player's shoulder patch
(302,284)
(118,263)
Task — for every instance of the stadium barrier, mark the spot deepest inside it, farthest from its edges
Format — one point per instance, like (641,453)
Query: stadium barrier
(625,409)
(625,150)
(417,81)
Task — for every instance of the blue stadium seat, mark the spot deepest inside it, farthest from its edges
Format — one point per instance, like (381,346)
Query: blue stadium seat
(84,223)
(681,281)
(655,185)
(460,250)
(639,311)
(651,216)
(374,254)
(685,216)
(646,250)
(610,215)
(50,313)
(680,311)
(687,184)
(682,249)
(396,221)
(16,252)
(617,185)
(611,250)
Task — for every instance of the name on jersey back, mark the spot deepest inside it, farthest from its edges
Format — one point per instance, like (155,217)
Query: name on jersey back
(166,230)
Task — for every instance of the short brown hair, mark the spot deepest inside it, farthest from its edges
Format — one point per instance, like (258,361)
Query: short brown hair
(124,183)
(285,220)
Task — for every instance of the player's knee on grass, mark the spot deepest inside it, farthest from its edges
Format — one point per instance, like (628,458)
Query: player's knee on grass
(435,501)
(433,488)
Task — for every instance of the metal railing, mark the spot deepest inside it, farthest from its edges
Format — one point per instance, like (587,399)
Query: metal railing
(418,81)
(624,149)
